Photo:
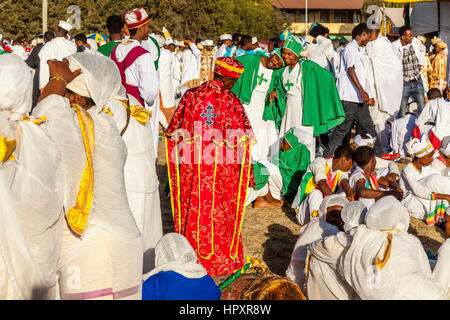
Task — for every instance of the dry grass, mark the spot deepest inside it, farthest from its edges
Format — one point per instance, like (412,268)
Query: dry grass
(271,234)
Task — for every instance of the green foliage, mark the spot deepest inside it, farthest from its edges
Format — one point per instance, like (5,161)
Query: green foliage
(183,18)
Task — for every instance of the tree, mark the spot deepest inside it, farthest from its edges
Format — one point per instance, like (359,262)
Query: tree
(183,18)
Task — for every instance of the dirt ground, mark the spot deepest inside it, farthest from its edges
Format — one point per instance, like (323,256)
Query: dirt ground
(270,234)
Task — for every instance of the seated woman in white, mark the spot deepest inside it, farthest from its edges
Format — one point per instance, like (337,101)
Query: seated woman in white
(326,224)
(426,194)
(323,279)
(384,261)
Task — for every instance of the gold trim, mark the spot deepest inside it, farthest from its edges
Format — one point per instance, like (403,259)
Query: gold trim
(77,216)
(7,148)
(228,67)
(379,264)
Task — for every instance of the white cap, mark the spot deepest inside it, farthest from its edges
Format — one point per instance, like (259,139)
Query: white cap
(160,39)
(169,41)
(65,25)
(209,43)
(254,40)
(226,37)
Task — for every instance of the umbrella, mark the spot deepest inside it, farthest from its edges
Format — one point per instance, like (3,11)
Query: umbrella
(98,37)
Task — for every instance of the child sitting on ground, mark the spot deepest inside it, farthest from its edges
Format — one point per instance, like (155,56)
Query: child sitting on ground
(365,183)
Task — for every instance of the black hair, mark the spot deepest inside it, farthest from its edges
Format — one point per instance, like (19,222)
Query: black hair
(63,31)
(49,35)
(363,155)
(359,30)
(245,40)
(318,30)
(236,37)
(403,29)
(343,151)
(81,37)
(114,24)
(434,93)
(133,32)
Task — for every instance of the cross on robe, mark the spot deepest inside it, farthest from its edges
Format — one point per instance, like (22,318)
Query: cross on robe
(288,85)
(261,79)
(209,115)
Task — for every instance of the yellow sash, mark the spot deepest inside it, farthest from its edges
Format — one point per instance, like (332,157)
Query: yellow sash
(7,149)
(77,216)
(137,112)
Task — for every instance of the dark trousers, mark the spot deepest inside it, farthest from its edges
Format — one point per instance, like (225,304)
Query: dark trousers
(359,113)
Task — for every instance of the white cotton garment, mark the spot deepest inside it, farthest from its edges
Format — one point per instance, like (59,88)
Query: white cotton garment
(58,48)
(30,190)
(441,271)
(384,262)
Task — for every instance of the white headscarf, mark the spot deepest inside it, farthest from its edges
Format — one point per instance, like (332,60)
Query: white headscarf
(330,201)
(100,91)
(445,146)
(174,253)
(353,215)
(361,142)
(16,84)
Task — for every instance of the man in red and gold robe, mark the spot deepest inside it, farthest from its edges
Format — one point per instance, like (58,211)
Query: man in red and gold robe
(208,144)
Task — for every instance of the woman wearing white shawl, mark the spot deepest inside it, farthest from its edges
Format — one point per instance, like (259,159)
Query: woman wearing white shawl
(314,230)
(30,196)
(101,256)
(323,54)
(384,261)
(441,271)
(323,280)
(177,275)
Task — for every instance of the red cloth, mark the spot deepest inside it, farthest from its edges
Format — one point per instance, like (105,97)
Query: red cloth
(208,192)
(131,57)
(433,139)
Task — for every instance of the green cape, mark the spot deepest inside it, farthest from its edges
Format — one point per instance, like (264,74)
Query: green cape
(322,106)
(292,163)
(246,83)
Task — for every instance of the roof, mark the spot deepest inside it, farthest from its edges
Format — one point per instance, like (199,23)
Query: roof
(318,4)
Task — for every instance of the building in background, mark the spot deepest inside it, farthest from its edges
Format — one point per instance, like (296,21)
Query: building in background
(340,16)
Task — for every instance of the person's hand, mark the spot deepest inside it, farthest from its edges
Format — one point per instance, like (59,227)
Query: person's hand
(187,42)
(351,197)
(364,96)
(371,102)
(273,95)
(397,195)
(61,68)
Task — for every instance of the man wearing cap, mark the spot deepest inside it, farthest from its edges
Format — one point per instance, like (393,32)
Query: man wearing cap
(58,49)
(208,145)
(312,100)
(141,81)
(207,62)
(226,45)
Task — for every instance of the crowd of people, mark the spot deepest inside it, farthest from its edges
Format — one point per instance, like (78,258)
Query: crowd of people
(289,122)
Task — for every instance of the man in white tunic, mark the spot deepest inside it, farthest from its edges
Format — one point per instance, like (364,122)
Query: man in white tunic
(166,76)
(427,194)
(140,79)
(191,65)
(31,196)
(385,78)
(58,48)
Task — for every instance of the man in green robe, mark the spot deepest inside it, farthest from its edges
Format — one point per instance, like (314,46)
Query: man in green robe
(311,99)
(253,87)
(279,179)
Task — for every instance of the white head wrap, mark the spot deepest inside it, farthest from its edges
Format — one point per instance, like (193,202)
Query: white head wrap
(330,201)
(160,39)
(226,37)
(93,44)
(209,43)
(445,146)
(100,86)
(387,214)
(353,215)
(419,148)
(174,253)
(254,40)
(361,142)
(65,25)
(16,83)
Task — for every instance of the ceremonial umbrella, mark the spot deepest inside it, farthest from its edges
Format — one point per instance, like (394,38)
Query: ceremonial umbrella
(98,37)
